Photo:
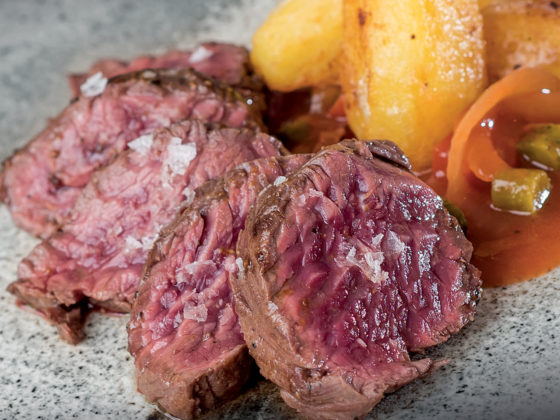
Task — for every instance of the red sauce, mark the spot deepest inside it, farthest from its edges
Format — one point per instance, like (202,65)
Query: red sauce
(508,248)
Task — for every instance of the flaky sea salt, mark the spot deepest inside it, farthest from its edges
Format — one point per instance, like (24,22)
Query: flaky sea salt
(239,262)
(272,307)
(180,156)
(199,312)
(177,320)
(149,74)
(374,261)
(148,241)
(142,144)
(394,243)
(279,180)
(189,195)
(132,243)
(94,85)
(200,54)
(376,240)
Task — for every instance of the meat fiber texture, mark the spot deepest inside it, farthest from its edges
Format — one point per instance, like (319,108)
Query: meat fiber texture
(347,266)
(41,182)
(98,254)
(225,62)
(183,331)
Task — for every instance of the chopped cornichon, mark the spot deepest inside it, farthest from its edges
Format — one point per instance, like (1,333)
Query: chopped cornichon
(520,190)
(457,213)
(541,145)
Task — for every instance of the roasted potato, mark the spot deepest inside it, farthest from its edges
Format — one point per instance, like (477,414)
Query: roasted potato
(410,69)
(554,68)
(483,3)
(522,33)
(299,44)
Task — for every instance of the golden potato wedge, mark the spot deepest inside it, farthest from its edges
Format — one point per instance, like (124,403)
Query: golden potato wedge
(410,69)
(299,44)
(554,68)
(523,33)
(483,3)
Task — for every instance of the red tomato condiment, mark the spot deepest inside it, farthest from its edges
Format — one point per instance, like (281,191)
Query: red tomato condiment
(508,248)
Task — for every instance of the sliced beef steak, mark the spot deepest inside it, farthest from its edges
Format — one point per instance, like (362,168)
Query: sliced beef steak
(183,331)
(41,182)
(225,62)
(348,265)
(98,254)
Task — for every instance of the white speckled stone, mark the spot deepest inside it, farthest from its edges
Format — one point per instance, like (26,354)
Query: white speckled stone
(505,365)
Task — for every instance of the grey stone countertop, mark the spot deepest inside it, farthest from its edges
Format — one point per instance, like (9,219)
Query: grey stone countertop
(506,365)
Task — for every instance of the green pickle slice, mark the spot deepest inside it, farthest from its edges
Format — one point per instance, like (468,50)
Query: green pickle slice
(520,190)
(457,213)
(541,145)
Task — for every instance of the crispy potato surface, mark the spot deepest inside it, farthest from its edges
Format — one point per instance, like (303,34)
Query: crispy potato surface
(410,69)
(299,44)
(483,3)
(522,33)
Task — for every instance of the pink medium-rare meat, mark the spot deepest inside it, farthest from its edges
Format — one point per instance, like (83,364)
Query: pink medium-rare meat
(347,266)
(183,331)
(41,182)
(97,255)
(225,62)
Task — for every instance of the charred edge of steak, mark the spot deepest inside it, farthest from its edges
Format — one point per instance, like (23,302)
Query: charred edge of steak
(248,81)
(318,392)
(169,79)
(384,150)
(204,392)
(69,320)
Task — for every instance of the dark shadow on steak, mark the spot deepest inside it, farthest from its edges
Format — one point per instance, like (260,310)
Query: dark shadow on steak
(41,182)
(348,266)
(183,331)
(98,254)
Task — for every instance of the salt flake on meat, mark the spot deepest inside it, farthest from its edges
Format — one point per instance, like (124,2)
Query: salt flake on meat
(376,240)
(142,144)
(189,195)
(272,307)
(148,241)
(394,243)
(374,261)
(279,180)
(177,320)
(132,243)
(361,342)
(94,85)
(180,156)
(200,54)
(199,313)
(239,263)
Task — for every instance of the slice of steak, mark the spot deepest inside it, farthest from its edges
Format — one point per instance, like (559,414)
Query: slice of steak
(98,254)
(348,265)
(227,63)
(41,182)
(183,331)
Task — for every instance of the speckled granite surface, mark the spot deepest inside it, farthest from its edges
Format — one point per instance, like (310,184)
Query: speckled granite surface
(505,365)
